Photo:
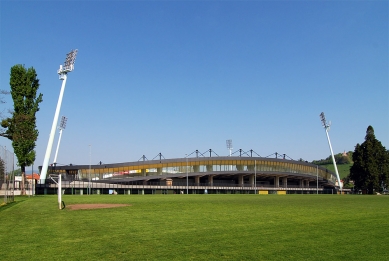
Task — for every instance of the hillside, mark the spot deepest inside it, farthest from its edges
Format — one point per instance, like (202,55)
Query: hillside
(343,162)
(343,169)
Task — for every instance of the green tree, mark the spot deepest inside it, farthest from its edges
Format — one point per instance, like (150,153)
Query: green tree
(346,183)
(344,159)
(340,158)
(16,172)
(370,170)
(21,127)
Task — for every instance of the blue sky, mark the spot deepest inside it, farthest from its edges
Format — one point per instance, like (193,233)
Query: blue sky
(176,76)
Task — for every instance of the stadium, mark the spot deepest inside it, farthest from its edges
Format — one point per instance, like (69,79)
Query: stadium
(194,175)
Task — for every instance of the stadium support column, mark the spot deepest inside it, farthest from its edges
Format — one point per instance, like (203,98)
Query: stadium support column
(197,180)
(241,180)
(210,180)
(276,182)
(285,182)
(252,177)
(301,183)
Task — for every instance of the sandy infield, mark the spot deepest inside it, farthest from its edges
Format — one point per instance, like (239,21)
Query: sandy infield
(95,206)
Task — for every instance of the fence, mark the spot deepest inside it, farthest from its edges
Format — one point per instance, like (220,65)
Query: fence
(7,179)
(92,187)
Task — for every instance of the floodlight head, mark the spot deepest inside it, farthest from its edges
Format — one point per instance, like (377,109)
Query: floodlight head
(63,122)
(68,65)
(229,144)
(323,120)
(70,59)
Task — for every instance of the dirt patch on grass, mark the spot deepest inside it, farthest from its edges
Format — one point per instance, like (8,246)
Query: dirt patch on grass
(95,206)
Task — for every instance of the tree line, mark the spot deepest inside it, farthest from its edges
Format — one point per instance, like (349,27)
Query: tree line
(340,158)
(370,171)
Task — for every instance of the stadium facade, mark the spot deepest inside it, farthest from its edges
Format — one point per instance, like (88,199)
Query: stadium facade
(198,175)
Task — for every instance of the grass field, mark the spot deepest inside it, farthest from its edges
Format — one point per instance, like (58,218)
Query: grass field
(198,227)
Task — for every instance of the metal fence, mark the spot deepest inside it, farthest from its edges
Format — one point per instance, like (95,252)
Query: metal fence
(7,179)
(86,188)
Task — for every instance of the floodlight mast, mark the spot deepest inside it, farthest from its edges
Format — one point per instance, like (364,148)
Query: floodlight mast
(63,71)
(327,128)
(61,127)
(229,146)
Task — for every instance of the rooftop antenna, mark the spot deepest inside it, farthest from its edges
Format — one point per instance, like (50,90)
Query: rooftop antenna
(229,146)
(327,128)
(61,127)
(63,71)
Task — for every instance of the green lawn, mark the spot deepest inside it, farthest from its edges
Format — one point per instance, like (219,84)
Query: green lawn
(198,227)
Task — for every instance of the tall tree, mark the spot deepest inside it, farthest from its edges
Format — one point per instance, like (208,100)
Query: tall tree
(370,170)
(21,128)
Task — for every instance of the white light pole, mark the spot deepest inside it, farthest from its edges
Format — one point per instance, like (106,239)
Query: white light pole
(90,166)
(317,179)
(59,185)
(327,128)
(63,71)
(255,176)
(229,145)
(32,179)
(187,183)
(60,191)
(62,126)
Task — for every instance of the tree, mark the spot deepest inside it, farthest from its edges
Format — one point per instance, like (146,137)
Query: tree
(370,170)
(16,172)
(340,158)
(344,159)
(21,128)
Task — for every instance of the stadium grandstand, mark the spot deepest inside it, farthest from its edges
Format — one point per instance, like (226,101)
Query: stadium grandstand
(198,173)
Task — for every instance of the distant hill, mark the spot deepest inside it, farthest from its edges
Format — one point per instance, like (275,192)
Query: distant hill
(343,163)
(343,169)
(340,158)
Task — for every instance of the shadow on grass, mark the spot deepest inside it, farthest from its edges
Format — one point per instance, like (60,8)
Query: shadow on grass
(10,205)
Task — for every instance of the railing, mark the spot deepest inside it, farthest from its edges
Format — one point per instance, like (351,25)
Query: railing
(175,185)
(194,166)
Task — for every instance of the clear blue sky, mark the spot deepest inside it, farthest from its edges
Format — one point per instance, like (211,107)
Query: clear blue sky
(176,76)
